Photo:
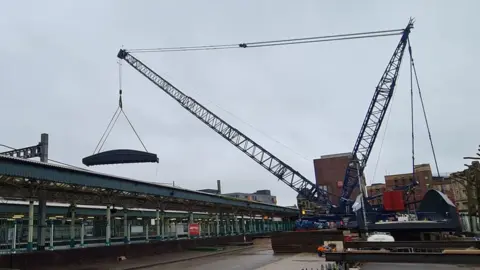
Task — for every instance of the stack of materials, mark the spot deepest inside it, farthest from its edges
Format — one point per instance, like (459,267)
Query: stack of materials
(308,241)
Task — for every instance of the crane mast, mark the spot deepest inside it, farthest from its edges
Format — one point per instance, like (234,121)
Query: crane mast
(373,119)
(267,160)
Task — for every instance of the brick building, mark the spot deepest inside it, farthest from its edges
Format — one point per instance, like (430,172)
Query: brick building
(459,188)
(330,172)
(376,189)
(263,196)
(444,185)
(423,175)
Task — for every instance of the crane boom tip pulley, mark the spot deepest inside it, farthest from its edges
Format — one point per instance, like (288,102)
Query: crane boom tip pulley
(122,53)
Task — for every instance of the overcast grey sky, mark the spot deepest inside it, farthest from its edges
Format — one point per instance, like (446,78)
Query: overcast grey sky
(59,75)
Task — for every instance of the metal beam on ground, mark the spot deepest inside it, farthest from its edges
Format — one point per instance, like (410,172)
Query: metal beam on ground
(387,257)
(413,244)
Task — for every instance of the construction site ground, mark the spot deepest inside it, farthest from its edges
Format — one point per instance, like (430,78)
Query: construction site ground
(257,257)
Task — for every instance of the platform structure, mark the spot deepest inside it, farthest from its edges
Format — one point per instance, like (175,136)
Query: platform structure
(217,215)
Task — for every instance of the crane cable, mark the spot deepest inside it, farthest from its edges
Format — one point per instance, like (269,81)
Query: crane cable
(423,109)
(115,116)
(383,140)
(270,43)
(412,111)
(413,75)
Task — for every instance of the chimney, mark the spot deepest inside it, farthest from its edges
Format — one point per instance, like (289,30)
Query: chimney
(219,187)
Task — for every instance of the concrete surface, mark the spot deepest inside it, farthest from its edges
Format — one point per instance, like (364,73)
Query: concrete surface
(257,257)
(151,262)
(254,259)
(246,260)
(299,261)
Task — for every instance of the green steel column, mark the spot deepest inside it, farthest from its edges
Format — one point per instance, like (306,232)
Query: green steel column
(242,222)
(157,224)
(217,220)
(225,229)
(52,235)
(147,223)
(228,229)
(251,225)
(129,232)
(82,233)
(30,226)
(237,227)
(162,223)
(208,227)
(175,229)
(14,237)
(190,221)
(126,240)
(108,227)
(72,226)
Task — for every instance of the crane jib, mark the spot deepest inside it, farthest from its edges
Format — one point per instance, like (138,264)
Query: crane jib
(273,164)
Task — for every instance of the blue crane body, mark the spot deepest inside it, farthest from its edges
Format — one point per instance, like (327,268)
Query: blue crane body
(373,120)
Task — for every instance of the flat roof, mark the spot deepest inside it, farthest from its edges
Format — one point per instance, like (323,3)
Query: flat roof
(21,179)
(348,154)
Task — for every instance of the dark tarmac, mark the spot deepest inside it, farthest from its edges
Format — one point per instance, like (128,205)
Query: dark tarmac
(247,260)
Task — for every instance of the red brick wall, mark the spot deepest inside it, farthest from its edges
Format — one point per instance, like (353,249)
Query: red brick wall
(423,174)
(376,189)
(329,171)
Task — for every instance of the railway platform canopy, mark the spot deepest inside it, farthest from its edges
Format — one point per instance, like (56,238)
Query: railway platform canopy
(22,179)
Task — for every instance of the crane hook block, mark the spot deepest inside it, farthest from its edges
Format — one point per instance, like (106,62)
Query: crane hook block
(120,156)
(122,54)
